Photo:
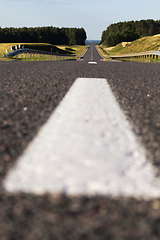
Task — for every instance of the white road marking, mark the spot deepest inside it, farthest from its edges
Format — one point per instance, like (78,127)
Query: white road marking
(81,57)
(91,53)
(92,62)
(86,147)
(100,54)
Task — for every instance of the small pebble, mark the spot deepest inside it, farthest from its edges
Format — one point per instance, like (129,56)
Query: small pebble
(156,205)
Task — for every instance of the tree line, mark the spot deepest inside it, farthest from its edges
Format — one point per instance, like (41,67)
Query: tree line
(53,35)
(129,31)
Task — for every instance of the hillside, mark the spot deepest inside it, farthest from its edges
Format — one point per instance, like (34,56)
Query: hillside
(129,31)
(151,43)
(73,52)
(36,46)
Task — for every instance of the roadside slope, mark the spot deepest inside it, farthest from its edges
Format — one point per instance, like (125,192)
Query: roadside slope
(151,43)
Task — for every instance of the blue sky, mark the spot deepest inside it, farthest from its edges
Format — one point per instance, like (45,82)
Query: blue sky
(93,15)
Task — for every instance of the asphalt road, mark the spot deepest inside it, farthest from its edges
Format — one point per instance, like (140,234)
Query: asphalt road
(29,92)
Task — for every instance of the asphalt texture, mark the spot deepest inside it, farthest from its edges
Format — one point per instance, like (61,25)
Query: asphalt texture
(29,92)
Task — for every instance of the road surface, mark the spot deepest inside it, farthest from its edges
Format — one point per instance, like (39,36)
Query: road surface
(30,92)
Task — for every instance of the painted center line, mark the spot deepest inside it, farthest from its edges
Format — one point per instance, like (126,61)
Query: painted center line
(92,62)
(86,147)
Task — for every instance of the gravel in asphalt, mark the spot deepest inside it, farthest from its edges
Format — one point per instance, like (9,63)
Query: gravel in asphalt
(29,92)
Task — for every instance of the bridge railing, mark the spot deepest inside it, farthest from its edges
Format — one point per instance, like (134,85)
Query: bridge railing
(141,55)
(34,54)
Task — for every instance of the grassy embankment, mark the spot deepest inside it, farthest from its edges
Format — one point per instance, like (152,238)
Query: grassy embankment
(77,49)
(151,43)
(73,50)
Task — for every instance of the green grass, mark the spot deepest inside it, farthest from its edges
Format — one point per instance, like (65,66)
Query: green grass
(46,47)
(69,50)
(4,46)
(76,49)
(151,43)
(41,57)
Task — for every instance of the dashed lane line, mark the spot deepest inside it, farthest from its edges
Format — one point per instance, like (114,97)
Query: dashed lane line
(86,147)
(92,62)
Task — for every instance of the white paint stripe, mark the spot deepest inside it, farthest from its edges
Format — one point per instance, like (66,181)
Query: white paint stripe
(100,54)
(83,53)
(92,62)
(91,53)
(86,147)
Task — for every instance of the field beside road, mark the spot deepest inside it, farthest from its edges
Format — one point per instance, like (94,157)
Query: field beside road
(77,50)
(150,43)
